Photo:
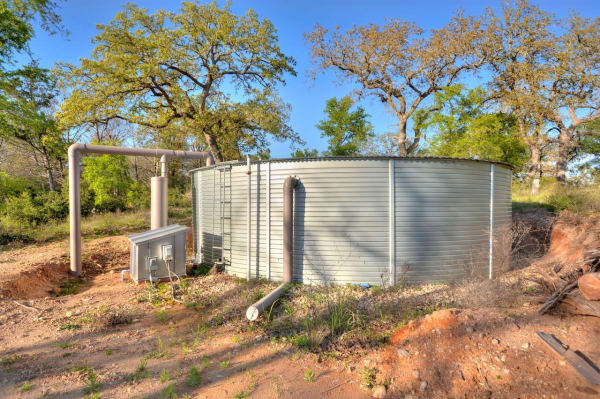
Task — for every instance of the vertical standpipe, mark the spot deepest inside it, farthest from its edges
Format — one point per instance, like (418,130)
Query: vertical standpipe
(257,308)
(158,202)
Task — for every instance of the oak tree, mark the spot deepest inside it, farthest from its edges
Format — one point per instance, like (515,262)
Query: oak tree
(195,67)
(400,63)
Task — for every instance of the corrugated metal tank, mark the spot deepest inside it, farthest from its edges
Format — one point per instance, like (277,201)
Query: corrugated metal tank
(377,220)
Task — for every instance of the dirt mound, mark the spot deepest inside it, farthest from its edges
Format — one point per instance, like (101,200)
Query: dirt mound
(439,320)
(38,274)
(572,235)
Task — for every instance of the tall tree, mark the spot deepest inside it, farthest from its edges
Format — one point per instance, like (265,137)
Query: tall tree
(400,63)
(575,87)
(464,128)
(17,24)
(25,116)
(189,67)
(518,49)
(347,131)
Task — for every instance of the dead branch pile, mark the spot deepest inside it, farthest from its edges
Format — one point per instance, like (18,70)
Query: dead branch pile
(560,285)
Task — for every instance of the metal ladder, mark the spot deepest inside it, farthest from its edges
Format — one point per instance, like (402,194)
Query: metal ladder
(224,215)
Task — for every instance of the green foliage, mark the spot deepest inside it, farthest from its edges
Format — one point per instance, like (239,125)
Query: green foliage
(309,375)
(305,153)
(556,197)
(347,131)
(218,81)
(164,376)
(169,392)
(16,24)
(92,384)
(194,379)
(464,129)
(26,387)
(108,178)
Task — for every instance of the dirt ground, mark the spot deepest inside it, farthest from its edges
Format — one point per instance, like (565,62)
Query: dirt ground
(101,341)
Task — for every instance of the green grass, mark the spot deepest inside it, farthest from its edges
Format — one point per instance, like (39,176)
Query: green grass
(93,226)
(67,344)
(26,387)
(556,197)
(69,287)
(241,395)
(368,377)
(108,352)
(169,391)
(141,371)
(194,379)
(224,364)
(160,351)
(309,375)
(163,316)
(164,376)
(92,386)
(69,326)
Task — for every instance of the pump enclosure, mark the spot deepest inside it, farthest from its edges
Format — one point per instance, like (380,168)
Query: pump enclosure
(151,250)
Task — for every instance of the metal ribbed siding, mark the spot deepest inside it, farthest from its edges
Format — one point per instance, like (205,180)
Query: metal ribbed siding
(440,224)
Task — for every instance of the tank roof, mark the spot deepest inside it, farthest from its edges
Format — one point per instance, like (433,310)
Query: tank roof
(354,158)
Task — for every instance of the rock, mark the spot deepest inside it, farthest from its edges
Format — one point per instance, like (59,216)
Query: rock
(589,285)
(503,358)
(496,341)
(562,362)
(423,385)
(402,352)
(379,391)
(526,345)
(470,330)
(416,373)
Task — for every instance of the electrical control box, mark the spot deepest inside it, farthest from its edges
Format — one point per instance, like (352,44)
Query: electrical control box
(155,252)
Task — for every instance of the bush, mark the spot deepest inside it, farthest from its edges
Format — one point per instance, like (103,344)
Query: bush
(557,196)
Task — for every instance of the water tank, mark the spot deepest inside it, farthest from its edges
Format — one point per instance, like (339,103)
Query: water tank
(376,220)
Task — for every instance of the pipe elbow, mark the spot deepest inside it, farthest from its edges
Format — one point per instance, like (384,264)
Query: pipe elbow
(210,160)
(75,148)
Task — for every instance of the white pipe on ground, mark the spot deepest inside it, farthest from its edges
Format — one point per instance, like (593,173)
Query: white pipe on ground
(75,151)
(257,308)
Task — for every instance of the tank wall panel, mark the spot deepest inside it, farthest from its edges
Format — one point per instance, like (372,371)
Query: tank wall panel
(341,212)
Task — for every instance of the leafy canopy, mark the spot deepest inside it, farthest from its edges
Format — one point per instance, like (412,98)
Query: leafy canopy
(347,131)
(463,129)
(212,72)
(399,63)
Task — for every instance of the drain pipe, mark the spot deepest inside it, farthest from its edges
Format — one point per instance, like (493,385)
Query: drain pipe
(75,152)
(256,309)
(249,215)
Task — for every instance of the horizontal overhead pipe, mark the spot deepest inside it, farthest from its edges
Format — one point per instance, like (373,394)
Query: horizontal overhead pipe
(256,309)
(75,152)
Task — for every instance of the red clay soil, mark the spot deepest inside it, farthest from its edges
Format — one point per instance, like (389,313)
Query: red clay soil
(572,235)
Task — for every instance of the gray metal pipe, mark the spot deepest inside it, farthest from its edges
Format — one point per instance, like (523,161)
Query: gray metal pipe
(75,152)
(289,185)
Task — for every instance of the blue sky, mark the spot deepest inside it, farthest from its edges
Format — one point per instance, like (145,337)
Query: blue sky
(291,18)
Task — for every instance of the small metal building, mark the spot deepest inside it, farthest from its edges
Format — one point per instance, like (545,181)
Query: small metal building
(377,220)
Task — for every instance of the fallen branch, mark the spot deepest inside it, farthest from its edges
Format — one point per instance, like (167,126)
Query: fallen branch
(26,306)
(590,264)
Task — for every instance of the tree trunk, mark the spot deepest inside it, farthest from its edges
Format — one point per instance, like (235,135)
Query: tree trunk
(211,141)
(535,168)
(401,138)
(564,147)
(49,172)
